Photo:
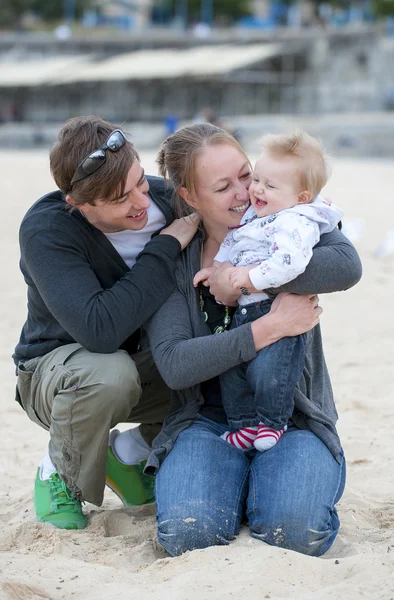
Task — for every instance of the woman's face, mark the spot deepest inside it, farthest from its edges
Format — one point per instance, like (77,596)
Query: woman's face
(223,176)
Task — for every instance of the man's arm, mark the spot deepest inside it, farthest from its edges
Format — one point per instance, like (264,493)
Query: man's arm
(99,319)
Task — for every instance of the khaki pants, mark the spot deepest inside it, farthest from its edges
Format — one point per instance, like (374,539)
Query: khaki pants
(79,396)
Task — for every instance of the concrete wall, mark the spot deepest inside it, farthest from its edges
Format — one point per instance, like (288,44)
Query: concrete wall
(312,75)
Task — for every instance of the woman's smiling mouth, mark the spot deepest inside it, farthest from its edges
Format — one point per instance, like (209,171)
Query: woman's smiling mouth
(242,208)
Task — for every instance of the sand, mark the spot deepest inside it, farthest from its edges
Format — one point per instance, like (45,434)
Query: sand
(117,556)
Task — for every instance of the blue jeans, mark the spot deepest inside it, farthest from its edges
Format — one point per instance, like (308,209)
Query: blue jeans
(262,390)
(206,486)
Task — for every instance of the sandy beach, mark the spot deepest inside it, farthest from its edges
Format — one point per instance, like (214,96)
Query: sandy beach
(117,556)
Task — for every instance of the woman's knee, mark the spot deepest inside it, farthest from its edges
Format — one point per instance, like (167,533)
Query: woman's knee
(308,534)
(194,528)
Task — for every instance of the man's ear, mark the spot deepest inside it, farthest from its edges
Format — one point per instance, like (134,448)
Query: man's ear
(70,201)
(184,194)
(304,197)
(83,207)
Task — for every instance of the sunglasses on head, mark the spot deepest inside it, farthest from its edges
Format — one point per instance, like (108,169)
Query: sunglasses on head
(96,159)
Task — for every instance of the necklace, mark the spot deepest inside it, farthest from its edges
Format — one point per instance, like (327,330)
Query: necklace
(226,319)
(227,312)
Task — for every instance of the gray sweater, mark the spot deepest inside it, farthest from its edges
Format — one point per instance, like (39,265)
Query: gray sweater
(187,354)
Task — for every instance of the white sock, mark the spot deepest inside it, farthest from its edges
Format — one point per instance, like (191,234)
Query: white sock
(129,446)
(47,468)
(267,438)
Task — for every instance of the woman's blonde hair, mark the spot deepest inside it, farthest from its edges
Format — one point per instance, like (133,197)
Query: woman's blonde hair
(313,169)
(178,153)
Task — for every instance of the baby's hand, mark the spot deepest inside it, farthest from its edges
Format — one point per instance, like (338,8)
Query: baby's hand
(239,277)
(203,275)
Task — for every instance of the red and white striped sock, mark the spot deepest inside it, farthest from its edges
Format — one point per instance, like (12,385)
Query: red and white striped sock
(267,437)
(242,439)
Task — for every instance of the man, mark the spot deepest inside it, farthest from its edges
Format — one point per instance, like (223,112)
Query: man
(94,276)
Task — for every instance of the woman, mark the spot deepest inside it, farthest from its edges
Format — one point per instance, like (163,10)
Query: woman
(205,487)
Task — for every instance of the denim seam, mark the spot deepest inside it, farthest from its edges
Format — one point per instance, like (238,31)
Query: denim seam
(331,540)
(283,378)
(254,486)
(335,500)
(238,502)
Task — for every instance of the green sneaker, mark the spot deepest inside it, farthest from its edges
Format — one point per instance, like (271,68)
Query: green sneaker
(129,482)
(54,504)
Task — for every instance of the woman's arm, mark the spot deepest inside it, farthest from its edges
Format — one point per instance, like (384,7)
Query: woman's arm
(335,266)
(184,360)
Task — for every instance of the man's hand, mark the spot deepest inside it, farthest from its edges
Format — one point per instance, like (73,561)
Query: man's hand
(239,277)
(183,229)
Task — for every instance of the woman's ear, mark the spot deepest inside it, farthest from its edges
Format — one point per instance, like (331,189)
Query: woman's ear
(184,194)
(304,197)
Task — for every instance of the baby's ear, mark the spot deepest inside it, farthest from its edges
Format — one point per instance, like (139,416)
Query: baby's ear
(304,197)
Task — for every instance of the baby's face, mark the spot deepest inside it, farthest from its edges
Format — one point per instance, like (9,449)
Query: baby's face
(274,186)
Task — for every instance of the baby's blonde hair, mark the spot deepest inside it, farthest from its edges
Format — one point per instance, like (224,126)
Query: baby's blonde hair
(313,169)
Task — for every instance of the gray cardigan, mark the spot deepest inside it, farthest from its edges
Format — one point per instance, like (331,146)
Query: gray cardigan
(186,353)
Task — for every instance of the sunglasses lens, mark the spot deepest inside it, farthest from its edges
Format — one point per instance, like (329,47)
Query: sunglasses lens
(115,141)
(97,158)
(93,161)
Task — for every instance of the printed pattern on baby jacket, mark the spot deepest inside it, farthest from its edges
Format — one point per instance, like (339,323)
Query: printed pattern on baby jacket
(281,244)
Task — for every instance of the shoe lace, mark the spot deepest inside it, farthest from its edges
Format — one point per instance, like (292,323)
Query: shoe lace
(60,492)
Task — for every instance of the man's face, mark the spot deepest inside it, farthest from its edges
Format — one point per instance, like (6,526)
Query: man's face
(127,212)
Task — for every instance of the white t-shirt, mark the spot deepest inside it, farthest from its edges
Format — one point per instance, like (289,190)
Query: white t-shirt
(129,243)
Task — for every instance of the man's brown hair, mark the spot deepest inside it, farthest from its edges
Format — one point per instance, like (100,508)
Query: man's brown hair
(79,137)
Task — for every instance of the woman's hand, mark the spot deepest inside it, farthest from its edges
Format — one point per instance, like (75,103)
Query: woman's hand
(220,286)
(203,276)
(290,315)
(183,229)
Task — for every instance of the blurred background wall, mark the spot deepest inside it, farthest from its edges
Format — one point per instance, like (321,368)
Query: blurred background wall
(249,65)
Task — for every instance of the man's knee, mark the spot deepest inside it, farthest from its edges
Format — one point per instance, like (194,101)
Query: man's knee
(109,380)
(119,374)
(307,534)
(194,528)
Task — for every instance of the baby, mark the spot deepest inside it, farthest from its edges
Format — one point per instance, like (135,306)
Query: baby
(271,247)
